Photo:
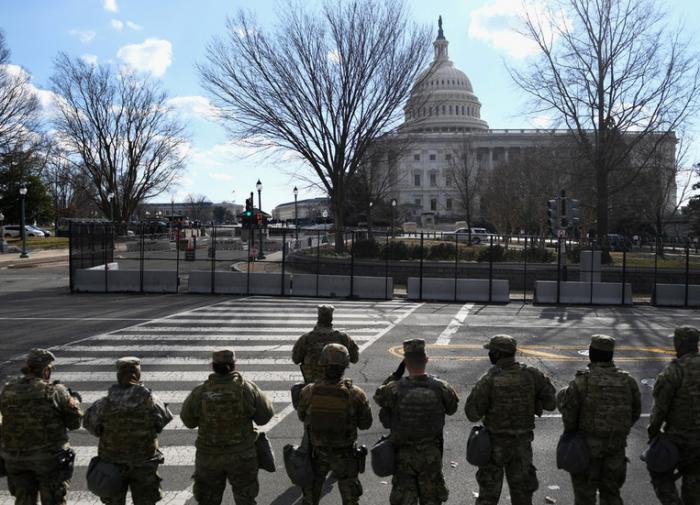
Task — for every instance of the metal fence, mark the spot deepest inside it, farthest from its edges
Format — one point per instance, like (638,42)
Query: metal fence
(305,262)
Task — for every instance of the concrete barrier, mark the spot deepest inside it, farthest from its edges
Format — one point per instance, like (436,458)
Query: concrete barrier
(673,295)
(468,290)
(237,283)
(338,286)
(92,280)
(571,292)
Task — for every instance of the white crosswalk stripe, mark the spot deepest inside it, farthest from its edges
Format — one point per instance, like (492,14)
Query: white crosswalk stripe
(176,355)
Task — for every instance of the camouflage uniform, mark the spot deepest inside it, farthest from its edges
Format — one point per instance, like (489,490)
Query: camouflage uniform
(507,398)
(332,411)
(224,408)
(677,410)
(414,408)
(307,349)
(37,415)
(127,422)
(603,403)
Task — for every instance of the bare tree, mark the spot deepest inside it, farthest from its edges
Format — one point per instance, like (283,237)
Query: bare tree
(117,127)
(324,85)
(612,73)
(466,174)
(19,105)
(199,207)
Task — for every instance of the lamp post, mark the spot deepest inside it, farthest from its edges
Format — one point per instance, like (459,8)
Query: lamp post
(369,219)
(258,186)
(296,216)
(393,206)
(172,214)
(23,232)
(2,232)
(110,199)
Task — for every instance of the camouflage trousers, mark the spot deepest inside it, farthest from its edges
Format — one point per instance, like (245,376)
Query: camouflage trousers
(30,479)
(211,471)
(144,482)
(418,475)
(689,470)
(343,464)
(605,475)
(512,455)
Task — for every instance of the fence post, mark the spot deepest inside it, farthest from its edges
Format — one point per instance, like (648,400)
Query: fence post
(558,271)
(104,254)
(177,258)
(656,270)
(284,259)
(420,270)
(687,272)
(352,263)
(386,266)
(491,269)
(71,243)
(212,238)
(456,262)
(142,252)
(524,270)
(318,257)
(624,270)
(250,259)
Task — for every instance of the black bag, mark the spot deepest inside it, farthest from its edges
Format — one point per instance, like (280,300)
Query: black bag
(104,479)
(266,456)
(297,462)
(383,457)
(296,393)
(3,470)
(572,453)
(479,446)
(66,464)
(661,455)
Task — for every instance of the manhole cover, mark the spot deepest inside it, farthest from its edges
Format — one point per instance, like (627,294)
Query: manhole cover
(649,382)
(583,352)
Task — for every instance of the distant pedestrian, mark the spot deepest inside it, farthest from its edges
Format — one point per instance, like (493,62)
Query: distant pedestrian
(36,417)
(414,409)
(127,422)
(602,403)
(307,349)
(333,409)
(224,408)
(507,398)
(676,411)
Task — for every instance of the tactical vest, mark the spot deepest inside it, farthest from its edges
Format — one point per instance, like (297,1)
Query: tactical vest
(685,409)
(225,419)
(317,340)
(512,408)
(128,425)
(419,412)
(331,415)
(607,405)
(32,419)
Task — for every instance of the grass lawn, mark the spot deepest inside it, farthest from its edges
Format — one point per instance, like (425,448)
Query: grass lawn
(35,243)
(647,260)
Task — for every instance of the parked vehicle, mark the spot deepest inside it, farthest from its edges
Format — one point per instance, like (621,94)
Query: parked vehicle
(46,232)
(13,231)
(478,235)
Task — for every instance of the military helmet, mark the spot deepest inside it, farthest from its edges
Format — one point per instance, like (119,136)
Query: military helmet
(602,343)
(686,335)
(40,357)
(325,314)
(502,343)
(335,354)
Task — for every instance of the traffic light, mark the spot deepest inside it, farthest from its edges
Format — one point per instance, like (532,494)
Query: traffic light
(553,216)
(247,217)
(573,213)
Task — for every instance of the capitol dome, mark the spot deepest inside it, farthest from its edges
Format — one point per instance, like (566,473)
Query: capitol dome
(442,98)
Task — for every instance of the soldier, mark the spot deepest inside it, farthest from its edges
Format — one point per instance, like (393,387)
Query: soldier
(677,410)
(307,349)
(333,409)
(414,408)
(603,403)
(127,422)
(37,415)
(507,398)
(224,408)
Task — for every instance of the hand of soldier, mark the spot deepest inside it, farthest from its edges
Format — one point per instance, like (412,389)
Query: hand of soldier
(400,370)
(75,395)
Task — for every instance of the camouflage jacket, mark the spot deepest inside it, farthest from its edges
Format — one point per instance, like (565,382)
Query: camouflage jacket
(388,396)
(37,415)
(508,396)
(601,401)
(225,408)
(128,421)
(339,422)
(307,350)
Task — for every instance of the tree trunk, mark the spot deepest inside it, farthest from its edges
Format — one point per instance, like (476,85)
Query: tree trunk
(337,210)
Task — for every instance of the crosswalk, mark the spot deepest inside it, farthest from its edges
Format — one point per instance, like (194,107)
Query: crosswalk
(176,353)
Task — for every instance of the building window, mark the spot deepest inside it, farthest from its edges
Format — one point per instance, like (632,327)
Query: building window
(448,179)
(448,204)
(433,204)
(416,179)
(433,179)
(463,110)
(448,157)
(450,110)
(432,157)
(418,202)
(416,157)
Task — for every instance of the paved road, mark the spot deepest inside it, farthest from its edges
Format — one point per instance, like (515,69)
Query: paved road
(174,335)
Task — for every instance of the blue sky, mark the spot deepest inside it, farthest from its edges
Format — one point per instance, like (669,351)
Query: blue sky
(168,37)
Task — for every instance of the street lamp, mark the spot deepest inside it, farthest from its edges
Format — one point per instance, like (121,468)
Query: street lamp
(110,198)
(172,214)
(393,206)
(258,186)
(296,215)
(2,232)
(369,219)
(22,198)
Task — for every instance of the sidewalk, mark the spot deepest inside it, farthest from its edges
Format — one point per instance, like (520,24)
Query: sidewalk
(40,257)
(262,265)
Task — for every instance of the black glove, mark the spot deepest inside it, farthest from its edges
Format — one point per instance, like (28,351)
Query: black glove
(75,395)
(400,370)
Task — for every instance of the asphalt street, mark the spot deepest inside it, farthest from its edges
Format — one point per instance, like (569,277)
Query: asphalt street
(175,333)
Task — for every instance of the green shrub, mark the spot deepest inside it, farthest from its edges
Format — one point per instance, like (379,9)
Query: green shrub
(395,250)
(442,251)
(493,253)
(414,251)
(366,248)
(538,255)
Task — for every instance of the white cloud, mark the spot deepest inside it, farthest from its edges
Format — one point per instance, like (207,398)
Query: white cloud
(89,58)
(221,176)
(85,36)
(47,99)
(152,55)
(116,24)
(496,23)
(134,26)
(193,106)
(111,5)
